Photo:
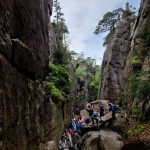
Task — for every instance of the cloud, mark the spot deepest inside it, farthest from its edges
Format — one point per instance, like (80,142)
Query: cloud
(81,18)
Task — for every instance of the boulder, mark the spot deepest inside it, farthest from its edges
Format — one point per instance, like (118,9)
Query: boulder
(50,145)
(104,140)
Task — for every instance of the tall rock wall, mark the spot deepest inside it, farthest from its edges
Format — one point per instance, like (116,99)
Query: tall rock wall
(25,23)
(130,39)
(114,60)
(28,117)
(138,47)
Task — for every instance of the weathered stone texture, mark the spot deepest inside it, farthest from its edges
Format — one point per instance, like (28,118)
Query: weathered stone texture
(28,22)
(141,26)
(103,140)
(27,114)
(114,61)
(130,39)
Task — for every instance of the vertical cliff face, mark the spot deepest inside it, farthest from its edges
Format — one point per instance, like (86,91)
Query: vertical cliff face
(26,116)
(114,60)
(25,23)
(131,40)
(139,43)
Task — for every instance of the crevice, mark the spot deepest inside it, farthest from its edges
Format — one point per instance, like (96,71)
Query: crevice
(30,75)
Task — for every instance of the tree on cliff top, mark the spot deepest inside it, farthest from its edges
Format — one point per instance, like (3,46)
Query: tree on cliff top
(108,22)
(58,14)
(59,25)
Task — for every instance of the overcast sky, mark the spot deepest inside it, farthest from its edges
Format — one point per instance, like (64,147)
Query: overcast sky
(82,17)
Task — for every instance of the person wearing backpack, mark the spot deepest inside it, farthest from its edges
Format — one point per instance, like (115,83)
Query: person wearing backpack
(112,109)
(63,144)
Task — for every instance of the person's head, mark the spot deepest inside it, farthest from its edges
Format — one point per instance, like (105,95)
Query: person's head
(88,105)
(80,117)
(63,138)
(100,104)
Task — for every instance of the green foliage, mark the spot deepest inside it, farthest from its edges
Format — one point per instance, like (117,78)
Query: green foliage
(96,80)
(60,54)
(143,93)
(110,18)
(136,130)
(136,60)
(94,86)
(123,98)
(57,10)
(80,72)
(137,113)
(146,36)
(59,80)
(87,74)
(108,22)
(140,89)
(64,27)
(61,26)
(55,92)
(128,11)
(134,83)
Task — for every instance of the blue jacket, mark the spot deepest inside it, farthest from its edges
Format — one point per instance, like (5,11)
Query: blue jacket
(112,107)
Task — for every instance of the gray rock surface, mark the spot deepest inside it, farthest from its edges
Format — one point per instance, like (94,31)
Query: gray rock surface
(27,115)
(114,61)
(50,145)
(137,43)
(27,21)
(103,140)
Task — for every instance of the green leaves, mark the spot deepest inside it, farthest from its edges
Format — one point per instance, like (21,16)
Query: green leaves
(140,89)
(137,113)
(55,92)
(136,130)
(108,22)
(80,72)
(61,55)
(136,60)
(95,82)
(134,83)
(58,81)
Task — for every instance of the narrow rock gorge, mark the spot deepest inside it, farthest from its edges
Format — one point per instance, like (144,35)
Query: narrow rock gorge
(43,84)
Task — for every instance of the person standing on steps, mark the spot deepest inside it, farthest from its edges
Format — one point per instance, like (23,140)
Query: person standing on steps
(90,111)
(92,114)
(63,143)
(112,109)
(101,110)
(69,140)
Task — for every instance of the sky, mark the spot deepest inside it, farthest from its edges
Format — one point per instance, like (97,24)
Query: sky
(82,17)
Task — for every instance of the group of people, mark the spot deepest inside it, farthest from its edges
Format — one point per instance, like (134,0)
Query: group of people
(97,115)
(71,136)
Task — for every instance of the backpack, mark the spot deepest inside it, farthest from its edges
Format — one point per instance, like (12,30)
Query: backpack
(112,107)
